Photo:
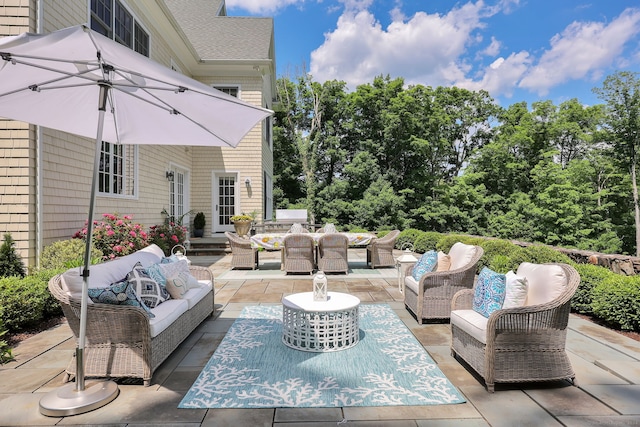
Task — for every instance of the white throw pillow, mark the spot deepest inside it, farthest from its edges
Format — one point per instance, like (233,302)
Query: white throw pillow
(516,292)
(444,262)
(178,285)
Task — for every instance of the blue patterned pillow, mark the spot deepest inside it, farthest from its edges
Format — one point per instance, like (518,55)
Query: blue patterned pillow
(119,293)
(147,289)
(425,264)
(489,292)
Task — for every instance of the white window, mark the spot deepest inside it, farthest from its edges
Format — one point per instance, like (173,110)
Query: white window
(118,164)
(117,169)
(233,90)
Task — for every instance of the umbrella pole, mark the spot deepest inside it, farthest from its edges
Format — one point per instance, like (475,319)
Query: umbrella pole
(73,399)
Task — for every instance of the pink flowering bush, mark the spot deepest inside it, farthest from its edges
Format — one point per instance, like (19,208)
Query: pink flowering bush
(168,235)
(116,236)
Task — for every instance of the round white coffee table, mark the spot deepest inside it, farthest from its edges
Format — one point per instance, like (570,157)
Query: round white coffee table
(320,326)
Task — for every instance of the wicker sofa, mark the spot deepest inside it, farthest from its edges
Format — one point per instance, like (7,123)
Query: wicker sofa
(522,343)
(122,340)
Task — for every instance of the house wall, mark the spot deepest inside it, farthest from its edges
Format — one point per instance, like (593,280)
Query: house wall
(66,161)
(247,157)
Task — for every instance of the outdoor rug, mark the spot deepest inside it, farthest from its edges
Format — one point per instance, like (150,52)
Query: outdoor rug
(252,368)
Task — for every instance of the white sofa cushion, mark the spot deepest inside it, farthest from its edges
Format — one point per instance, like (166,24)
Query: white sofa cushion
(165,314)
(472,322)
(106,273)
(461,255)
(195,294)
(546,282)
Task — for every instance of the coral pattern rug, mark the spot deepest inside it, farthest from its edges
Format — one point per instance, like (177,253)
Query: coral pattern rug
(252,368)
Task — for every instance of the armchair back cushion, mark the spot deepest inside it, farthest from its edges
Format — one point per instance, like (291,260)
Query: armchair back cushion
(461,255)
(546,282)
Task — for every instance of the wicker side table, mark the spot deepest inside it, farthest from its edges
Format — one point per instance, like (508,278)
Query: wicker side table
(320,326)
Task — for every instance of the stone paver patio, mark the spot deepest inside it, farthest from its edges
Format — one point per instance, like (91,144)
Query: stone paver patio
(607,365)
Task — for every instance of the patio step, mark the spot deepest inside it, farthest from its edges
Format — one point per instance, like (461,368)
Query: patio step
(208,246)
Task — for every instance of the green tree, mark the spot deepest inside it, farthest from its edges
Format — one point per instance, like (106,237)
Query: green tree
(621,92)
(10,261)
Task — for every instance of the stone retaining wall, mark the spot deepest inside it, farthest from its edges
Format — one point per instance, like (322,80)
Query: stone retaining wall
(621,264)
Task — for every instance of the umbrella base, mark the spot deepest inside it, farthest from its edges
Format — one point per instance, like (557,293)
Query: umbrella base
(66,400)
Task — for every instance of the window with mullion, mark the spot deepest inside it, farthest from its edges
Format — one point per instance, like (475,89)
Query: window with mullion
(123,25)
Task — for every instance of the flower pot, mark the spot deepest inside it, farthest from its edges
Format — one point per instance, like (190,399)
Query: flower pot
(198,233)
(242,227)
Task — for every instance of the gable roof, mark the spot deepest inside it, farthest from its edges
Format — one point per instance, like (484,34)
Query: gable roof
(219,37)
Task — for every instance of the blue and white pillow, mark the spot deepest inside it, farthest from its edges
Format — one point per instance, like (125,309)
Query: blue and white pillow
(489,292)
(119,293)
(427,263)
(148,290)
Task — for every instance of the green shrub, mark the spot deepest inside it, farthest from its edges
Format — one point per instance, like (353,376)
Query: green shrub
(5,351)
(590,276)
(540,254)
(408,236)
(509,255)
(427,241)
(500,264)
(10,262)
(446,241)
(356,229)
(66,254)
(26,301)
(382,233)
(616,300)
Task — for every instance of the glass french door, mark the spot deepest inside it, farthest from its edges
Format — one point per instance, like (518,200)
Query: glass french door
(225,199)
(178,197)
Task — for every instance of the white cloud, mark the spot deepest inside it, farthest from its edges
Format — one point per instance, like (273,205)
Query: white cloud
(262,6)
(582,50)
(502,76)
(424,49)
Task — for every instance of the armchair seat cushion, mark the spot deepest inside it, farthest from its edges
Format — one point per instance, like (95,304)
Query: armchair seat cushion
(472,322)
(411,283)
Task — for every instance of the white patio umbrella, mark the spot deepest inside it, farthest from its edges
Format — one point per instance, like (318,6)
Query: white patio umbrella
(78,81)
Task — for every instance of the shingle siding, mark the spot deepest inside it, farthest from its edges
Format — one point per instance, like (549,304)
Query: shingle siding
(66,160)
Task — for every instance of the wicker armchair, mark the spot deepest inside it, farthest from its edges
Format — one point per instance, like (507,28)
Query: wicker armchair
(332,253)
(298,255)
(380,251)
(244,256)
(523,344)
(430,297)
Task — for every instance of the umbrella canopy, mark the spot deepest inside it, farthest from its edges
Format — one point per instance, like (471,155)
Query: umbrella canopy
(54,80)
(78,81)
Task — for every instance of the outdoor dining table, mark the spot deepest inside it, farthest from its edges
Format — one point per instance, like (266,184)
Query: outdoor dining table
(274,241)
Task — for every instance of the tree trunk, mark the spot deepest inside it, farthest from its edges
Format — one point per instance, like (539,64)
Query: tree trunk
(636,208)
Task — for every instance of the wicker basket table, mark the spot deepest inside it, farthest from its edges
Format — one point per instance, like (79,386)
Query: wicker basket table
(320,326)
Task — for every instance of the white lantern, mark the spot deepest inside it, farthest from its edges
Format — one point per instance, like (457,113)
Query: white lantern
(402,263)
(320,287)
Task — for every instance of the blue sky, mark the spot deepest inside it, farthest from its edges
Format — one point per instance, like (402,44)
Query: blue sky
(518,50)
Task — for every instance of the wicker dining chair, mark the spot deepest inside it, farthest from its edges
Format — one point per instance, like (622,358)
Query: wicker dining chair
(521,344)
(429,298)
(332,253)
(380,251)
(243,255)
(299,249)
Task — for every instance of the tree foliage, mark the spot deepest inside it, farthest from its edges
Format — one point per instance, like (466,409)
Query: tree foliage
(446,159)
